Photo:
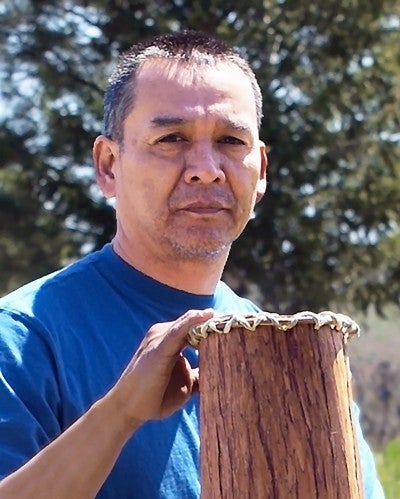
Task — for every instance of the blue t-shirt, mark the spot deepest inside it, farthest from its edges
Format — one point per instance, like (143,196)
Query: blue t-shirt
(64,341)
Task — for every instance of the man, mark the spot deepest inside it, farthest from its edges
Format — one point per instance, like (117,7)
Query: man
(182,157)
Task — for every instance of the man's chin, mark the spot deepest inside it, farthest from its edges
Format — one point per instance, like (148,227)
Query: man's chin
(204,253)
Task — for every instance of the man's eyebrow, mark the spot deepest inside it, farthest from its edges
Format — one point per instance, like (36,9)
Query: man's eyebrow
(160,121)
(239,126)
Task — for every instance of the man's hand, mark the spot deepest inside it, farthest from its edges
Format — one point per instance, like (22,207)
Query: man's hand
(159,379)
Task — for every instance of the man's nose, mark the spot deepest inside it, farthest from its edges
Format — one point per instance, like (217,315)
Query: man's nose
(203,164)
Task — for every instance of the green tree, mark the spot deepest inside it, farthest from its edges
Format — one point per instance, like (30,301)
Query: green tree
(327,232)
(388,465)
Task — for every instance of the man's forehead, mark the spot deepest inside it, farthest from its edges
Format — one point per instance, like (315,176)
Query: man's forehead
(165,86)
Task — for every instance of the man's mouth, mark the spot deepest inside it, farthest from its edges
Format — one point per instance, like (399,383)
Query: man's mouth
(203,208)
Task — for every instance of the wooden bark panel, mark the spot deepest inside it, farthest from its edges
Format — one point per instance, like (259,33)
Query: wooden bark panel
(275,416)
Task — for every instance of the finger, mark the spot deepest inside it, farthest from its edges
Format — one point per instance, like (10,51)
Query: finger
(193,317)
(175,338)
(195,379)
(192,373)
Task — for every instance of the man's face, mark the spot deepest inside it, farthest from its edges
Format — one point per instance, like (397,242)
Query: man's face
(191,165)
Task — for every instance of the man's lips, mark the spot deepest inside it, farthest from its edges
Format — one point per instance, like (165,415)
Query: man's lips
(202,201)
(202,208)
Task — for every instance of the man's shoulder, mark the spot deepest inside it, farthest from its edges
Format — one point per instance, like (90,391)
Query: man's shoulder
(48,287)
(228,301)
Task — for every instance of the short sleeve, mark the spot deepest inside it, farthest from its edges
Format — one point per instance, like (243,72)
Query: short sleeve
(29,392)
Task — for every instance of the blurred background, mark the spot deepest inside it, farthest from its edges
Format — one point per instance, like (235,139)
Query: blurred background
(327,234)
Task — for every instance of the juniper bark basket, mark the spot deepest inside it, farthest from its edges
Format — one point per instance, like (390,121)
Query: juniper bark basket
(275,407)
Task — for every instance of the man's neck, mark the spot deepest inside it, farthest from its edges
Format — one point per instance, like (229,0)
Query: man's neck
(197,276)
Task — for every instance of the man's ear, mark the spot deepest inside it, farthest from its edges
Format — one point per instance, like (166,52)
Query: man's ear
(262,181)
(105,154)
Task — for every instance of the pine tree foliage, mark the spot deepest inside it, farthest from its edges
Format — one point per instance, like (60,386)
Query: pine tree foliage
(327,232)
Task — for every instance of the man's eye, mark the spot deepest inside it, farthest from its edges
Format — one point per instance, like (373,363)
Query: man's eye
(172,137)
(231,140)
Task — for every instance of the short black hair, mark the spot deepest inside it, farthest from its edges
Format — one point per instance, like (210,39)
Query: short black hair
(191,46)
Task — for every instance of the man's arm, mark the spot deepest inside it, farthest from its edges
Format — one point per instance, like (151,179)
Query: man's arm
(157,382)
